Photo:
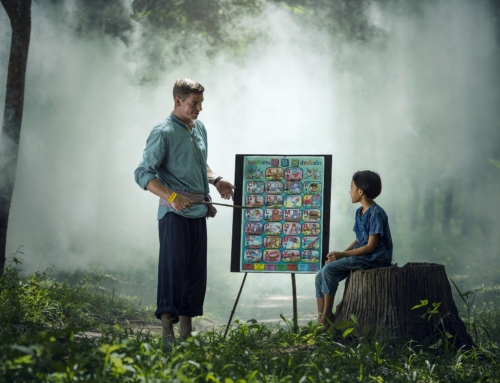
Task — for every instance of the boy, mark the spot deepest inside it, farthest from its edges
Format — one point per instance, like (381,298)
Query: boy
(372,247)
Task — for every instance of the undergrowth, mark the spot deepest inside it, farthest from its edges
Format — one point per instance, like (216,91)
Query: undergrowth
(44,327)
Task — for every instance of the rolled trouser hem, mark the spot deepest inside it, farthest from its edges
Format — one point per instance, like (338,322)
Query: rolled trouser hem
(168,310)
(176,313)
(191,313)
(331,293)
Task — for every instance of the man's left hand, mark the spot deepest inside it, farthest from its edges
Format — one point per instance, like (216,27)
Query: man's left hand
(225,189)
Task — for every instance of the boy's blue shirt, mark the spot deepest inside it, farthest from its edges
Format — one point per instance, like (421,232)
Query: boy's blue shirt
(374,221)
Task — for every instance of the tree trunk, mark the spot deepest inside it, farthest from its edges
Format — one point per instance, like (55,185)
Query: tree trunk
(382,300)
(19,12)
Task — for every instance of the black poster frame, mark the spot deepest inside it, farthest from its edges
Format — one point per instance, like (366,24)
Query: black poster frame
(239,180)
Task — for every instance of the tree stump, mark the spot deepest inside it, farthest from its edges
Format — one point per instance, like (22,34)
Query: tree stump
(382,300)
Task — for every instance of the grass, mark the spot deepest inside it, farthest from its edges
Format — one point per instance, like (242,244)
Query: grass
(43,338)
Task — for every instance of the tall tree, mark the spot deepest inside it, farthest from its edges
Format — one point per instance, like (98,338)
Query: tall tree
(19,12)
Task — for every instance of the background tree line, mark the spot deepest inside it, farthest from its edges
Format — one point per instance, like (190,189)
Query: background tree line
(442,210)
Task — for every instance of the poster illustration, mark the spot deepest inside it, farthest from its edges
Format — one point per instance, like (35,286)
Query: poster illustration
(284,226)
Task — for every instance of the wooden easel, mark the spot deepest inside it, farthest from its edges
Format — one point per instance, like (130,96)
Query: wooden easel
(294,301)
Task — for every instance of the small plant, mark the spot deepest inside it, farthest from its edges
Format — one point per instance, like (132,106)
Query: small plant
(349,326)
(432,310)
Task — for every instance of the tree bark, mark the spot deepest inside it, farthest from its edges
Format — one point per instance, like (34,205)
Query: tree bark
(382,300)
(19,12)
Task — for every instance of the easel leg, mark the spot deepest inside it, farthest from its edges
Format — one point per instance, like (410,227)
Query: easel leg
(235,304)
(294,293)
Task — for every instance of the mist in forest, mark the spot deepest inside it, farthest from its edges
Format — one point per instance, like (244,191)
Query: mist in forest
(417,102)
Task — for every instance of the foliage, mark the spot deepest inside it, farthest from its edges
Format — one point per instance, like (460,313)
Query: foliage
(43,339)
(161,34)
(41,303)
(434,309)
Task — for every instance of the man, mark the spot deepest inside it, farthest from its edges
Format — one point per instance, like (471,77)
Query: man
(174,167)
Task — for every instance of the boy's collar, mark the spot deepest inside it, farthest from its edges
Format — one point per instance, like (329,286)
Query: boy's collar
(361,214)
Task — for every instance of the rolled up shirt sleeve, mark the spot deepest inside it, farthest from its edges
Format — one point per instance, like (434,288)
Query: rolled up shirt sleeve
(376,224)
(152,157)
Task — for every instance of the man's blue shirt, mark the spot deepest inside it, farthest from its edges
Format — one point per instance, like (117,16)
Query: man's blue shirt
(178,158)
(374,221)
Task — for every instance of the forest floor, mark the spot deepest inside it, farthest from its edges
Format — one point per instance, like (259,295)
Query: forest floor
(51,331)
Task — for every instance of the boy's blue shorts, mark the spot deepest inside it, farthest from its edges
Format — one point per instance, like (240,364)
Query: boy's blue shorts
(328,278)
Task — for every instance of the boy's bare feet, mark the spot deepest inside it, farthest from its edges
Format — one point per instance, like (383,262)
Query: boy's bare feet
(326,320)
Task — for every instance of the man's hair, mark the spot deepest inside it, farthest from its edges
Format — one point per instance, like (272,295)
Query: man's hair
(369,182)
(183,87)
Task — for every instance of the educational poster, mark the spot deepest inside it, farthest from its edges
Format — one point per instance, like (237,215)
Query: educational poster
(284,225)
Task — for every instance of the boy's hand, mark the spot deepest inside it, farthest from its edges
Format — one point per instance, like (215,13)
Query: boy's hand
(334,256)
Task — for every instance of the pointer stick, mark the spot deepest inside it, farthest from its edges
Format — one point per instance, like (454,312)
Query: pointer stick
(225,204)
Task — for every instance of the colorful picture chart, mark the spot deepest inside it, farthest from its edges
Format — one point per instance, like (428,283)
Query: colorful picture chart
(284,227)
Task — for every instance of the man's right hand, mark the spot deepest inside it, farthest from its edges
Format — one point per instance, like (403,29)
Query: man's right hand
(157,188)
(181,202)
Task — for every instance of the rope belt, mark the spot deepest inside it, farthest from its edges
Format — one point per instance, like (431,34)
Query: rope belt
(196,198)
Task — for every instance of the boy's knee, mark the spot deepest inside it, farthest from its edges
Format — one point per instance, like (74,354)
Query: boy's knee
(330,268)
(318,274)
(319,278)
(332,273)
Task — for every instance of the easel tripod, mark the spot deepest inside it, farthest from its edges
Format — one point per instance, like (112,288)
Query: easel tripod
(294,301)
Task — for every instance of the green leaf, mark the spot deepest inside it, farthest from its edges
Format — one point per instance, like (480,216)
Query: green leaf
(423,303)
(343,324)
(196,364)
(25,359)
(347,332)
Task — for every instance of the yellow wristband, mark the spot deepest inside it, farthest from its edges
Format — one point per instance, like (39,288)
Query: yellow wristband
(172,196)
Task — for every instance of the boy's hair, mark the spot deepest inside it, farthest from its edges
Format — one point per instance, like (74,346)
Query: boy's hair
(369,182)
(183,87)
